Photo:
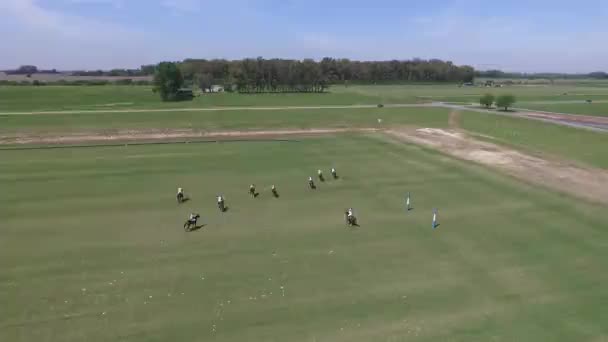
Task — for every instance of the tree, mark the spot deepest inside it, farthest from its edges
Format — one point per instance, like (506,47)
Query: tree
(487,100)
(27,70)
(505,101)
(168,80)
(204,81)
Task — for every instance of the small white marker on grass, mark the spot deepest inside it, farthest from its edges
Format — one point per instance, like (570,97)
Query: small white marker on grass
(435,222)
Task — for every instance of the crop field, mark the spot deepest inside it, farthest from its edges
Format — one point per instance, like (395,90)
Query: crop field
(93,247)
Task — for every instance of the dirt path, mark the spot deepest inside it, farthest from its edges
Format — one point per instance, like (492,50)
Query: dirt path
(584,182)
(595,123)
(166,135)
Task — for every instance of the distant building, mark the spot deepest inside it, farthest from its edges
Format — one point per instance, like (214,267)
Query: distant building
(217,89)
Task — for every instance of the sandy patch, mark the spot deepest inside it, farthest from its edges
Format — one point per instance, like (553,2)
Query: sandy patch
(581,181)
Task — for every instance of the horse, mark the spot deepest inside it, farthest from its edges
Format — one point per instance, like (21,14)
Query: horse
(311,184)
(221,206)
(275,193)
(180,197)
(350,220)
(191,222)
(252,192)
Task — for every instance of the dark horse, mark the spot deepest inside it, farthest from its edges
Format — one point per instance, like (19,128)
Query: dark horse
(311,184)
(275,193)
(191,223)
(221,206)
(180,197)
(350,220)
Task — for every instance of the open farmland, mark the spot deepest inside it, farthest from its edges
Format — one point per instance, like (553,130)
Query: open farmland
(93,247)
(29,98)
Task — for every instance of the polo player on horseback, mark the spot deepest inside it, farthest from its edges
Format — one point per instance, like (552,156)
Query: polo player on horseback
(351,220)
(180,195)
(220,203)
(274,191)
(192,219)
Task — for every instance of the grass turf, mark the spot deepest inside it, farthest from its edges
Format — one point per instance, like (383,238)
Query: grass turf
(29,98)
(222,120)
(596,109)
(92,247)
(539,137)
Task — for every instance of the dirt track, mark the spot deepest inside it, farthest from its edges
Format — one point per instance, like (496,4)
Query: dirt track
(165,135)
(584,182)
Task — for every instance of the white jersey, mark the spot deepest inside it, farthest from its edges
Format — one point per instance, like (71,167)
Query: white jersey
(320,172)
(310,179)
(333,170)
(192,216)
(220,199)
(180,190)
(273,188)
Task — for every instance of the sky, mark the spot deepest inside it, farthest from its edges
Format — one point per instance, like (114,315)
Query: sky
(511,35)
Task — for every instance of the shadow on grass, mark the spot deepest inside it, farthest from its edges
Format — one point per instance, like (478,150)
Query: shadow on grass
(196,228)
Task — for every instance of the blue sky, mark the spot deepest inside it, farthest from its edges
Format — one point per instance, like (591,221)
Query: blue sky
(516,35)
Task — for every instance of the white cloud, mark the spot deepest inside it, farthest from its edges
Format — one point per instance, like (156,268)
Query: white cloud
(48,38)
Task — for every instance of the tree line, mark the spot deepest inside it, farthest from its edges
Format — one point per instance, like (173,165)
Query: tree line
(287,75)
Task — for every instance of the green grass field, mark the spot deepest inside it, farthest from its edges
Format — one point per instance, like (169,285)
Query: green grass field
(531,136)
(29,98)
(540,138)
(222,120)
(92,247)
(597,109)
